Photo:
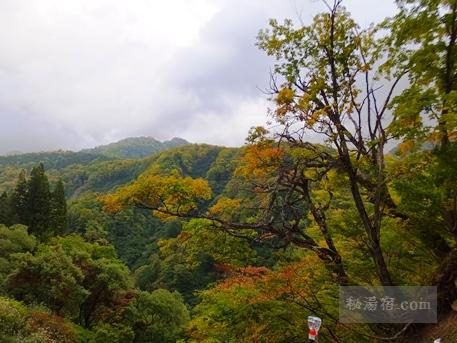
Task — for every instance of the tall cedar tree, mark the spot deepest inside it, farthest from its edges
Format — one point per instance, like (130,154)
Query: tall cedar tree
(38,202)
(5,210)
(19,200)
(58,215)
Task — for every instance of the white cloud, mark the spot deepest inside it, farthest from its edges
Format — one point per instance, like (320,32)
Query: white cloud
(231,127)
(76,73)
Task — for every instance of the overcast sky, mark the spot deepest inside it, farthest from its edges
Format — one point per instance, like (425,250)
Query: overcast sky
(79,73)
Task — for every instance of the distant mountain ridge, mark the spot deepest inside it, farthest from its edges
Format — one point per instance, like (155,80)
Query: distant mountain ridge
(128,148)
(135,147)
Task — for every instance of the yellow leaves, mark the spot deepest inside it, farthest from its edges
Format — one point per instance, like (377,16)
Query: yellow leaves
(257,134)
(396,198)
(284,100)
(281,113)
(112,203)
(410,122)
(309,112)
(164,194)
(365,68)
(310,173)
(226,208)
(302,106)
(304,102)
(260,160)
(314,117)
(299,153)
(321,196)
(285,96)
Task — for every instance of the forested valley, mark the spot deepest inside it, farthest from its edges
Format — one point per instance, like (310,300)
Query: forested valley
(143,241)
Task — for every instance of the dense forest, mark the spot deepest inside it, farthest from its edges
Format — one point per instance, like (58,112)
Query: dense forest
(142,241)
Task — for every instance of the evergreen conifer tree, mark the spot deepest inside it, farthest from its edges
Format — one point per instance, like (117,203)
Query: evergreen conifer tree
(5,210)
(58,212)
(38,202)
(19,201)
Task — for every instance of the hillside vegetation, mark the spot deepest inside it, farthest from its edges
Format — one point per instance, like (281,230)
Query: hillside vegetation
(201,243)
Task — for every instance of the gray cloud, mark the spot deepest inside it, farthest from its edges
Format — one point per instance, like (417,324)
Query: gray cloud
(75,74)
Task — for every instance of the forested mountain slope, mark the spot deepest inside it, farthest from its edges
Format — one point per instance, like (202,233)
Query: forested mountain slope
(98,169)
(132,235)
(133,231)
(136,147)
(85,176)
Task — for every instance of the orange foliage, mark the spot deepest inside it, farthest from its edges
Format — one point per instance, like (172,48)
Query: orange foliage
(405,147)
(243,276)
(293,280)
(225,208)
(260,160)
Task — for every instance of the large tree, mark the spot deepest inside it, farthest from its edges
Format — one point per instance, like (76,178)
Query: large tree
(38,202)
(6,213)
(70,276)
(424,40)
(19,200)
(58,220)
(325,82)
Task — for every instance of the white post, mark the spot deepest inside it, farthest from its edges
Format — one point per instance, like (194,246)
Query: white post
(314,324)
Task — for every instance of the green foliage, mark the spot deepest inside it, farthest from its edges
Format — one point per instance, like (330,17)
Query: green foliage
(13,241)
(192,160)
(51,160)
(132,232)
(426,183)
(174,273)
(423,40)
(20,200)
(38,202)
(12,318)
(199,239)
(58,220)
(104,333)
(104,277)
(104,176)
(48,277)
(6,210)
(189,262)
(158,317)
(71,277)
(19,324)
(33,204)
(222,169)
